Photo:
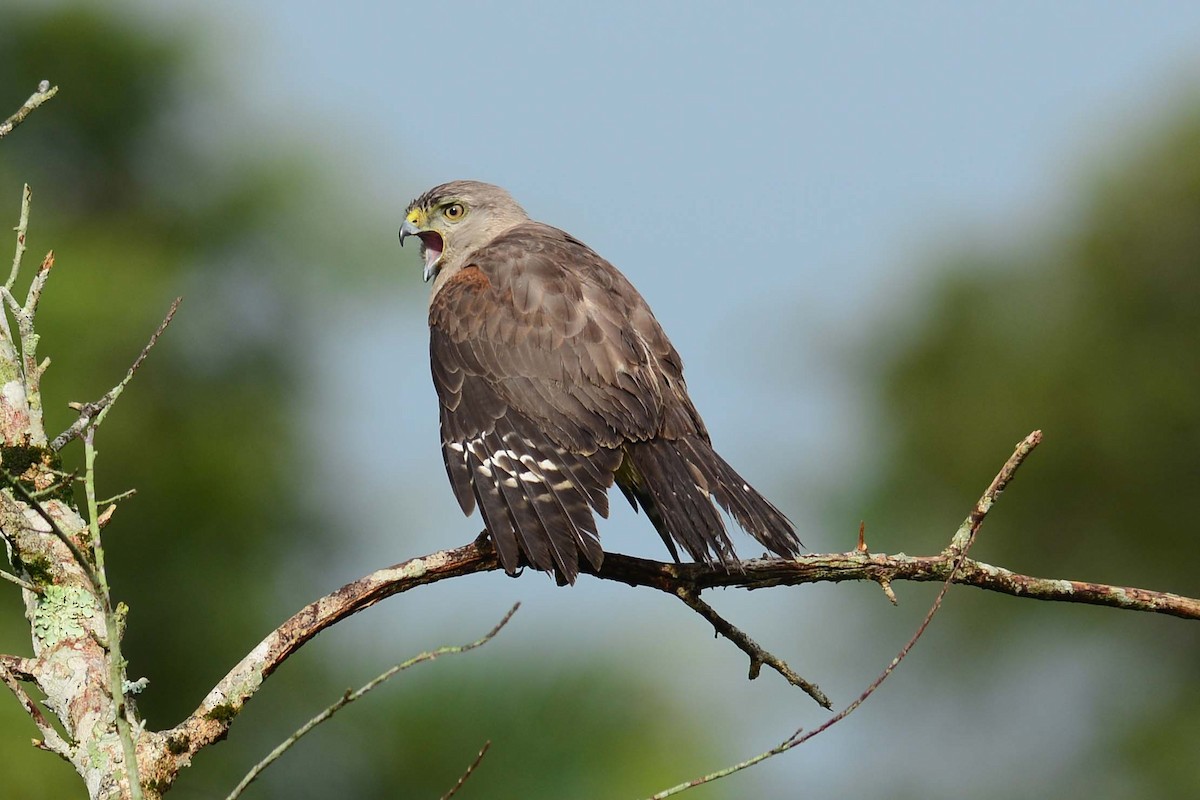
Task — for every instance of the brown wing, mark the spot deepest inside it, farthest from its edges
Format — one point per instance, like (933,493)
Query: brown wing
(546,362)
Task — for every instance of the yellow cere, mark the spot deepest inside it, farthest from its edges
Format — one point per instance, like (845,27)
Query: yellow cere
(417,217)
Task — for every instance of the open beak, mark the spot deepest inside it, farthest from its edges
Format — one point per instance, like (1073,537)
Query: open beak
(431,246)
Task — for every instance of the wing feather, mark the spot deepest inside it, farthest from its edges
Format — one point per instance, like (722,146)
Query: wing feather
(549,367)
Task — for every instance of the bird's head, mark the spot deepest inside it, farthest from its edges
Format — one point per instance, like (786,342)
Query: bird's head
(454,219)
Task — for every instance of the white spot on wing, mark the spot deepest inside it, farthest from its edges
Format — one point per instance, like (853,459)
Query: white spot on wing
(517,466)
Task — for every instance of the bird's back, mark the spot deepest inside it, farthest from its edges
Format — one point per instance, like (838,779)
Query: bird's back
(556,380)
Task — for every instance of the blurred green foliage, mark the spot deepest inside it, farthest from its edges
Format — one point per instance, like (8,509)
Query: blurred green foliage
(1091,333)
(201,436)
(144,190)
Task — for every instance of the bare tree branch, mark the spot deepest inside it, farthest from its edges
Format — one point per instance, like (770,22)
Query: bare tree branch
(30,369)
(22,229)
(24,584)
(470,770)
(853,566)
(98,410)
(350,696)
(44,92)
(84,563)
(51,739)
(113,624)
(960,545)
(758,655)
(20,668)
(210,722)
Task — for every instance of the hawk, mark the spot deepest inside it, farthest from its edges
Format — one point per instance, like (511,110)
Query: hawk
(554,381)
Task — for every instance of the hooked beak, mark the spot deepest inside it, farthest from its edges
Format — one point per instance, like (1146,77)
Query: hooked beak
(407,229)
(431,246)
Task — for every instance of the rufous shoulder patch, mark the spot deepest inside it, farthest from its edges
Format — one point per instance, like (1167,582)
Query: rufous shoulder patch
(469,278)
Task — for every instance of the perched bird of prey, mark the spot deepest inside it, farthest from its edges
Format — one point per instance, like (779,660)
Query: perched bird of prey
(554,381)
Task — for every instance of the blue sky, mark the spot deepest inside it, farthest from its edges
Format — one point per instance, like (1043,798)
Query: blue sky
(777,178)
(776,173)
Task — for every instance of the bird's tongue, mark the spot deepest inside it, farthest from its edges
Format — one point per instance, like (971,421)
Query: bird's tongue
(431,248)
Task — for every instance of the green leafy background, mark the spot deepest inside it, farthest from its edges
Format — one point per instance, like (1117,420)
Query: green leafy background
(1088,330)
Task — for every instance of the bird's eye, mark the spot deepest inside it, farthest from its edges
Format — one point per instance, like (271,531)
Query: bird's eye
(454,211)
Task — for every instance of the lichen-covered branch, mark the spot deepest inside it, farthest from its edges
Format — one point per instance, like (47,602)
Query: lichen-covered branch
(51,739)
(853,566)
(74,628)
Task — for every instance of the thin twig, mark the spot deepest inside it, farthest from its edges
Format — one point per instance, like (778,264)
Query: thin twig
(758,655)
(210,722)
(11,301)
(58,532)
(349,697)
(116,498)
(24,584)
(44,92)
(470,769)
(21,229)
(116,662)
(110,506)
(51,740)
(24,316)
(971,526)
(66,479)
(10,350)
(98,410)
(800,736)
(21,668)
(34,295)
(8,345)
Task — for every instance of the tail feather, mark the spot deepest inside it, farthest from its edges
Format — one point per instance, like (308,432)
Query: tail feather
(686,514)
(661,480)
(676,482)
(757,515)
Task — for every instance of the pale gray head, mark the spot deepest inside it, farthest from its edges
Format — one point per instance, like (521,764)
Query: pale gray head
(454,219)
